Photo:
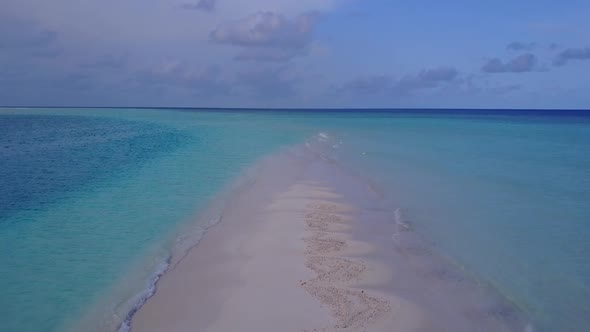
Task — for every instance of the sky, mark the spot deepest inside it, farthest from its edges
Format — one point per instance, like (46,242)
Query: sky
(295,53)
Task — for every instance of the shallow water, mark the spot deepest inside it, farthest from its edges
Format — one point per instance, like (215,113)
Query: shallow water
(441,295)
(93,201)
(506,198)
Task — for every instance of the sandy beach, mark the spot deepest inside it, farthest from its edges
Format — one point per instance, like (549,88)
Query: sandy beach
(295,269)
(312,251)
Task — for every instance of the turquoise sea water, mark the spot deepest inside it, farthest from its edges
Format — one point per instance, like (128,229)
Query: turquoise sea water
(506,197)
(93,201)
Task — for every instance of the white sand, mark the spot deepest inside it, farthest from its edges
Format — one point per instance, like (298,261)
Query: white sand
(286,266)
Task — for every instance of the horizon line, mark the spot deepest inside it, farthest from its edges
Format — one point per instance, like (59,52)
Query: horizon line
(335,109)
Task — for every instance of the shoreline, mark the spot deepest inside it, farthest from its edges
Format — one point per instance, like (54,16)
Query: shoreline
(317,238)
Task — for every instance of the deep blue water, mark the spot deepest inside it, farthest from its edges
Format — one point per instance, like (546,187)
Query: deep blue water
(46,157)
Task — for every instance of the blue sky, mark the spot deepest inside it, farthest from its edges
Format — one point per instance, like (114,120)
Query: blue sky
(295,53)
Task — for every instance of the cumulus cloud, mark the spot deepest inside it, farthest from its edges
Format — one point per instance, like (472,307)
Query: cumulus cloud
(266,29)
(428,78)
(570,54)
(553,47)
(531,46)
(277,37)
(521,64)
(204,5)
(425,79)
(520,46)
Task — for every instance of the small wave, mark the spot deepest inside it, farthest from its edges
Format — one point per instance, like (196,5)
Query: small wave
(397,215)
(189,240)
(142,297)
(323,146)
(401,225)
(184,244)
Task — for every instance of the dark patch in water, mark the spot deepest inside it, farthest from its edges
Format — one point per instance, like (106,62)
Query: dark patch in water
(414,250)
(503,311)
(46,158)
(445,274)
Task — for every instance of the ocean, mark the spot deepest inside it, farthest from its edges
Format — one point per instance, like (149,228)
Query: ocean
(95,204)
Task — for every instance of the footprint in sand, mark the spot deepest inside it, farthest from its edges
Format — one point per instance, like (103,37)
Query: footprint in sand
(324,207)
(323,217)
(335,269)
(351,308)
(321,221)
(321,244)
